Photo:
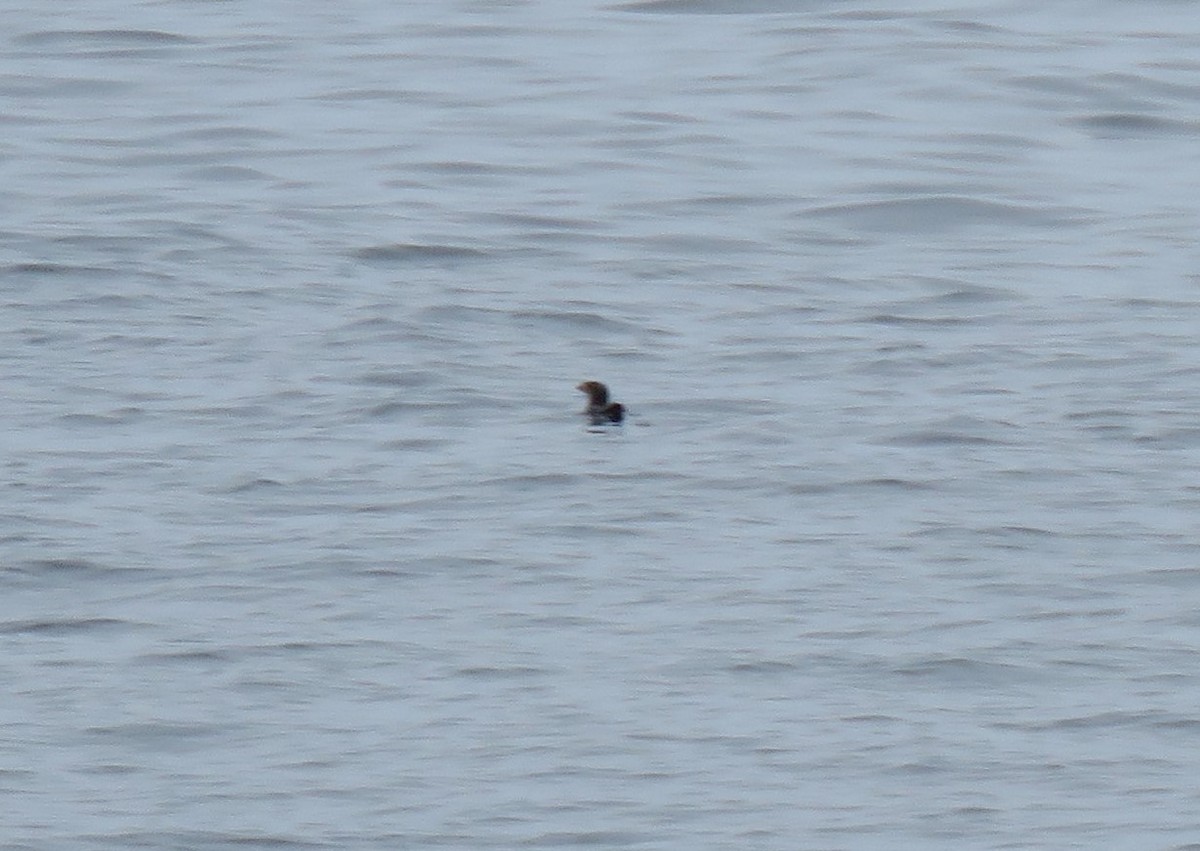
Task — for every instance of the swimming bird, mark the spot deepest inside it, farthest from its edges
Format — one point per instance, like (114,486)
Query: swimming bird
(599,408)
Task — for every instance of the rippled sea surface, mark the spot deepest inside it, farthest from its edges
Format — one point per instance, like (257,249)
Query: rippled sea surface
(304,543)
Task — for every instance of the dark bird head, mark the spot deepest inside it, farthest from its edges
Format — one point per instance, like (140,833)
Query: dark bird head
(597,393)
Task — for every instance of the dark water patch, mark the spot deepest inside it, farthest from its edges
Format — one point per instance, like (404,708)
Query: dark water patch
(55,269)
(377,572)
(64,566)
(1095,721)
(118,301)
(1169,305)
(1183,577)
(397,95)
(110,246)
(227,174)
(406,378)
(953,292)
(963,671)
(232,413)
(123,342)
(880,484)
(880,190)
(919,321)
(729,203)
(535,481)
(659,117)
(701,245)
(61,626)
(597,530)
(1000,140)
(490,672)
(543,223)
(1100,414)
(418,444)
(1126,125)
(123,416)
(160,736)
(144,156)
(957,25)
(65,87)
(957,431)
(940,438)
(586,839)
(755,351)
(1057,85)
(114,38)
(771,667)
(459,314)
(397,408)
(570,319)
(451,564)
(228,133)
(186,656)
(110,769)
(415,253)
(391,329)
(564,622)
(469,31)
(721,7)
(475,170)
(1176,438)
(256,484)
(720,408)
(1024,531)
(1189,725)
(892,484)
(869,14)
(648,474)
(221,840)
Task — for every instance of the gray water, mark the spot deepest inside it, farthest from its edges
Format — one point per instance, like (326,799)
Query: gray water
(304,543)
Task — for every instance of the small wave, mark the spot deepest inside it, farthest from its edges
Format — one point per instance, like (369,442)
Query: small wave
(228,173)
(390,410)
(404,252)
(42,268)
(112,38)
(897,319)
(63,565)
(254,485)
(960,669)
(715,7)
(575,319)
(943,438)
(936,213)
(490,672)
(118,417)
(575,839)
(59,626)
(1131,124)
(378,378)
(763,666)
(542,223)
(417,444)
(535,481)
(1100,721)
(882,483)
